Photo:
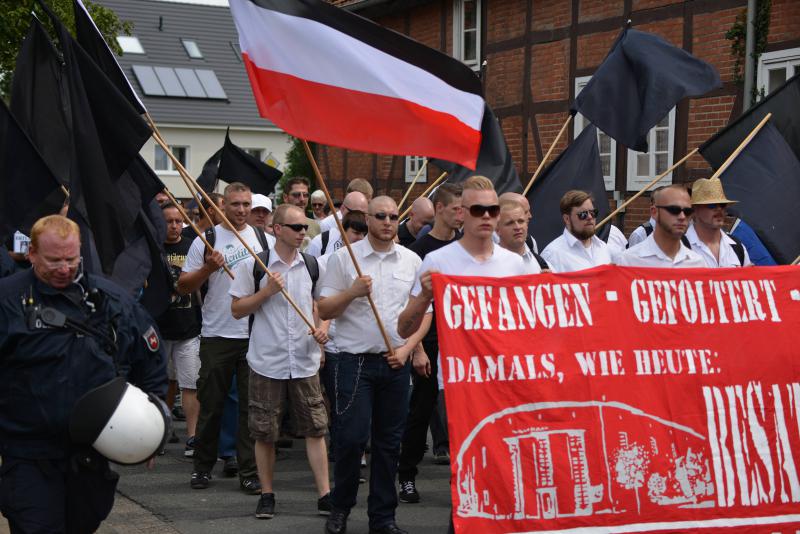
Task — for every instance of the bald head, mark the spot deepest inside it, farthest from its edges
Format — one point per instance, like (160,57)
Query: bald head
(519,199)
(421,214)
(354,201)
(382,220)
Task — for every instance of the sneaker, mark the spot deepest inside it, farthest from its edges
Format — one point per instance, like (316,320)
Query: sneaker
(266,506)
(324,504)
(363,460)
(441,458)
(408,492)
(231,467)
(200,480)
(188,450)
(251,485)
(336,523)
(361,478)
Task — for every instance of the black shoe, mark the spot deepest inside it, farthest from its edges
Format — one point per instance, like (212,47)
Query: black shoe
(200,480)
(441,458)
(177,413)
(336,523)
(188,450)
(391,528)
(231,467)
(251,485)
(266,506)
(324,504)
(408,492)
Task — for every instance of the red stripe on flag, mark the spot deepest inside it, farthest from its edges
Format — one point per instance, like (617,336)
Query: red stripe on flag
(360,121)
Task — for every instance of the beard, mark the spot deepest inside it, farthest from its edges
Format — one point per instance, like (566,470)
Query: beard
(584,233)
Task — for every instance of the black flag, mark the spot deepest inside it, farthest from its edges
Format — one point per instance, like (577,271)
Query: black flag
(578,167)
(783,103)
(208,177)
(494,159)
(29,190)
(765,179)
(236,165)
(638,83)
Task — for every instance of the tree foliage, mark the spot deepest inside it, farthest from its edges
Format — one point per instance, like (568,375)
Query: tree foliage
(297,164)
(16,17)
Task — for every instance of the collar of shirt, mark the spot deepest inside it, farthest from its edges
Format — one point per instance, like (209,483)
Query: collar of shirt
(574,242)
(651,248)
(367,249)
(274,258)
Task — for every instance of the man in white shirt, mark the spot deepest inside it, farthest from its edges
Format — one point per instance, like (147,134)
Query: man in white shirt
(283,357)
(371,386)
(526,207)
(330,240)
(577,248)
(224,340)
(512,230)
(671,210)
(355,185)
(706,236)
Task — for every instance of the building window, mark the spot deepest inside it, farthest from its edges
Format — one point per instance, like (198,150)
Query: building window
(643,167)
(774,68)
(257,153)
(163,162)
(467,32)
(192,50)
(607,146)
(413,165)
(130,44)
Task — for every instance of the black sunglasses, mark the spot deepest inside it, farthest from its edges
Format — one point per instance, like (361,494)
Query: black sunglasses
(295,227)
(715,206)
(583,215)
(676,210)
(477,210)
(381,216)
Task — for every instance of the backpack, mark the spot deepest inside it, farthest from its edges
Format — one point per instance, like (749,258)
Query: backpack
(737,246)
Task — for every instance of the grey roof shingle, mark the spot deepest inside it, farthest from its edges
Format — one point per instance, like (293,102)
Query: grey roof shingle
(160,26)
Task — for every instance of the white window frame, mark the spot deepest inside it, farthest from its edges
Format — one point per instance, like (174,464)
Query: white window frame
(458,33)
(635,182)
(788,59)
(187,47)
(412,167)
(170,165)
(130,44)
(258,153)
(582,122)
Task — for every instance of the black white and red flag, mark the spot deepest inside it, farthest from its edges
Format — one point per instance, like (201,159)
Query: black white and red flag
(327,75)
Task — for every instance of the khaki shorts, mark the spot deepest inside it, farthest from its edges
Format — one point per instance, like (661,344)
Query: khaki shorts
(306,407)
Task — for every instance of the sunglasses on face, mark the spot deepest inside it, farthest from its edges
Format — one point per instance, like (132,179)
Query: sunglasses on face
(677,210)
(381,216)
(317,205)
(715,206)
(477,210)
(583,215)
(296,227)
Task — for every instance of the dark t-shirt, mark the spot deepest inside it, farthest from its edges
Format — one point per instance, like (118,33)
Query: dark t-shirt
(404,235)
(422,247)
(183,318)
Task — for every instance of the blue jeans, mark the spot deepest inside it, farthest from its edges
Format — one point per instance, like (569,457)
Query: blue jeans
(230,423)
(367,389)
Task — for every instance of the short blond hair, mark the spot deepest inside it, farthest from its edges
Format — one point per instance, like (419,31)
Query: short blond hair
(362,186)
(59,224)
(478,183)
(508,204)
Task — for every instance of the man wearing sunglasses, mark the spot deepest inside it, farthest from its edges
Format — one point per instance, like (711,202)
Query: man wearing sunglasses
(705,234)
(297,194)
(330,240)
(577,248)
(671,209)
(371,384)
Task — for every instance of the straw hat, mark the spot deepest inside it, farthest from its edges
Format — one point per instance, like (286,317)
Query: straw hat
(709,191)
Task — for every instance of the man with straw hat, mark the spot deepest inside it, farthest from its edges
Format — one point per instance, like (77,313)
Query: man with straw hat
(706,236)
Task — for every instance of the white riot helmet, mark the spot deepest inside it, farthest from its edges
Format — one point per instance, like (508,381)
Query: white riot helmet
(121,422)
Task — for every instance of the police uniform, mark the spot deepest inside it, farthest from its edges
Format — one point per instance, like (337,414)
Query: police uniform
(47,362)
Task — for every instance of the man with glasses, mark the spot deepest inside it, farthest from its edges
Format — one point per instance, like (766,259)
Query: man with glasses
(371,380)
(297,194)
(331,240)
(671,209)
(577,248)
(705,234)
(283,357)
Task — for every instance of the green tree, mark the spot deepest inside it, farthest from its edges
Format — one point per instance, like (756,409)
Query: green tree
(297,164)
(16,18)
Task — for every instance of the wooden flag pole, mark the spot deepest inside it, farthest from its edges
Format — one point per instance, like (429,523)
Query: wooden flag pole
(741,146)
(410,187)
(796,261)
(645,188)
(424,193)
(346,242)
(547,156)
(194,227)
(185,175)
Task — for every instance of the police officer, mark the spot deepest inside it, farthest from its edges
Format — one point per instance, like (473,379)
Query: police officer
(62,333)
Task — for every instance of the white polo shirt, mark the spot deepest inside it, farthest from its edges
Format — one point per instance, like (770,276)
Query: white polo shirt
(531,263)
(617,244)
(334,243)
(727,256)
(649,254)
(280,346)
(328,222)
(393,275)
(566,253)
(639,234)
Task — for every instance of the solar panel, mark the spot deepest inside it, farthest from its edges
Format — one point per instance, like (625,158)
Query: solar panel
(210,83)
(190,83)
(169,81)
(148,80)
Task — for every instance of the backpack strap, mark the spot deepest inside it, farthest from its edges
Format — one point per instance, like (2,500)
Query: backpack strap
(648,228)
(211,237)
(312,266)
(258,274)
(738,248)
(262,238)
(685,241)
(529,242)
(325,237)
(540,260)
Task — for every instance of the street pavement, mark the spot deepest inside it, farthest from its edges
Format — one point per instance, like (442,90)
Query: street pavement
(161,501)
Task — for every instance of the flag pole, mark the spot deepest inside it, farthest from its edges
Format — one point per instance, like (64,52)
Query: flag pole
(346,242)
(547,156)
(413,182)
(185,175)
(741,146)
(428,190)
(796,261)
(194,227)
(645,188)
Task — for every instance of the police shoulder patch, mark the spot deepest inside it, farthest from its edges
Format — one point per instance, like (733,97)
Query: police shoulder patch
(151,339)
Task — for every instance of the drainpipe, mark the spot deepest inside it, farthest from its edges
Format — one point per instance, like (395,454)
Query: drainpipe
(749,48)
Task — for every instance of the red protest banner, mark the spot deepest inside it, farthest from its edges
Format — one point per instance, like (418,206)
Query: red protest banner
(628,399)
